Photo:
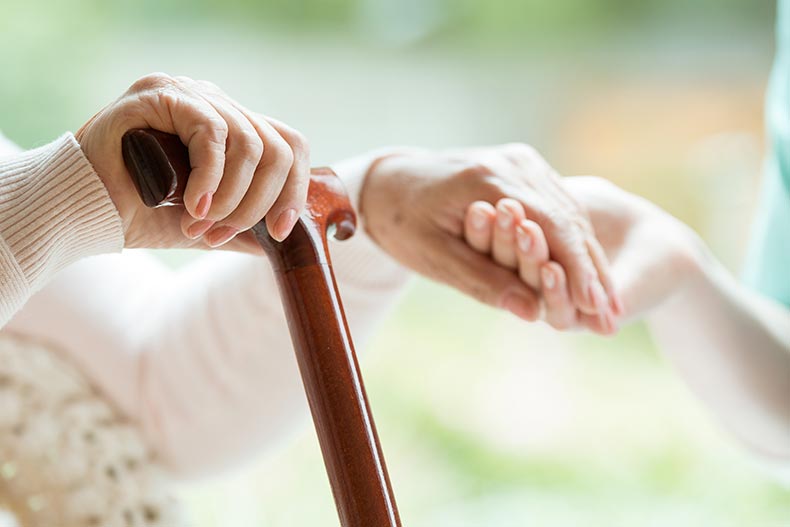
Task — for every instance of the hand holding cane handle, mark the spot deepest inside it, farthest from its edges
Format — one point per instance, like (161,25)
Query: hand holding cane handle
(159,166)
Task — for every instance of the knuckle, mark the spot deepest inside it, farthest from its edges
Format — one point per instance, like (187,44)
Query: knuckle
(299,142)
(283,155)
(167,98)
(216,130)
(569,227)
(250,144)
(580,258)
(167,94)
(474,174)
(559,221)
(576,219)
(151,81)
(586,274)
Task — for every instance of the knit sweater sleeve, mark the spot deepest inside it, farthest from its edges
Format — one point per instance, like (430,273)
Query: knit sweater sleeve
(201,357)
(54,210)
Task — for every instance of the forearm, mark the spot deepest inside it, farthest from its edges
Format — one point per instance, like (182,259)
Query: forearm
(201,358)
(733,348)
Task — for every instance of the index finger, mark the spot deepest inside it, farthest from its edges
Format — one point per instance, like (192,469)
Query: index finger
(202,130)
(568,245)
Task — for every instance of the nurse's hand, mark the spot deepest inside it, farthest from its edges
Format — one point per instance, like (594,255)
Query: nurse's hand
(244,165)
(652,254)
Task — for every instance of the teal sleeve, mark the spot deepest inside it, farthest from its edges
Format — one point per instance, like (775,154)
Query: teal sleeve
(768,262)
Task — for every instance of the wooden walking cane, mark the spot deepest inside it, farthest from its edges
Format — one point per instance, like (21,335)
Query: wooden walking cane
(159,165)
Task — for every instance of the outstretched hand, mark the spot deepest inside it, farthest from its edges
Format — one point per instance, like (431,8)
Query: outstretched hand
(651,253)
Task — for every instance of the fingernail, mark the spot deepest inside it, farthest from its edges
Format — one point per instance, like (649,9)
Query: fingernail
(549,280)
(519,305)
(285,222)
(504,218)
(479,219)
(598,297)
(199,228)
(524,240)
(617,304)
(221,235)
(204,205)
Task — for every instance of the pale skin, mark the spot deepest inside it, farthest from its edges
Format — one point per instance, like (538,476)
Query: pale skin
(246,166)
(414,207)
(436,212)
(729,343)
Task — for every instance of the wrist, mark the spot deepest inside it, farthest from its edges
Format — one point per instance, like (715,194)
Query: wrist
(697,259)
(693,267)
(382,190)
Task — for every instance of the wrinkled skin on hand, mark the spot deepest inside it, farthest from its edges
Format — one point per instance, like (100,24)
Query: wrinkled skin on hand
(414,206)
(244,165)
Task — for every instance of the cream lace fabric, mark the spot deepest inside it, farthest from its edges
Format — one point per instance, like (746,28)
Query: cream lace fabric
(66,457)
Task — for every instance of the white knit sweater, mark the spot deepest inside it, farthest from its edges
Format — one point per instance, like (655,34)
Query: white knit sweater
(200,359)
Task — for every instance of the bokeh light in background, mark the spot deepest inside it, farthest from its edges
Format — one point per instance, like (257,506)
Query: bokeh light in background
(484,420)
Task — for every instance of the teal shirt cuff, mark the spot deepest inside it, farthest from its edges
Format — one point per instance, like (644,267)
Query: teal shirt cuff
(768,262)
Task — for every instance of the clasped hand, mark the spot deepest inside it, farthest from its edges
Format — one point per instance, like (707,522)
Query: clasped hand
(499,224)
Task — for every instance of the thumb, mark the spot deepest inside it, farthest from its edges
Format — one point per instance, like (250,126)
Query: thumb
(453,262)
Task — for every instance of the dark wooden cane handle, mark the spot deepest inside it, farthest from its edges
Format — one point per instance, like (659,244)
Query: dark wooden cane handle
(159,164)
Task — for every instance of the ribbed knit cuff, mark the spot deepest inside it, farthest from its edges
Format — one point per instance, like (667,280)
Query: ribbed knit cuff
(54,210)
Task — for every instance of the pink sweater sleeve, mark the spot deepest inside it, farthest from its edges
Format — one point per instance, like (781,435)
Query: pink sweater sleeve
(201,358)
(54,210)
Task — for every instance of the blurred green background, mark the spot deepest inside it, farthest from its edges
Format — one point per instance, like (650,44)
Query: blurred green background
(485,420)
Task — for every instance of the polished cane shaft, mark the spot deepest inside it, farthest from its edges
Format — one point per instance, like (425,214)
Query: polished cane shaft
(336,394)
(159,166)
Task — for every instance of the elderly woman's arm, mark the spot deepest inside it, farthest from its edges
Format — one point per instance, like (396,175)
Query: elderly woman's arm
(74,198)
(200,358)
(54,210)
